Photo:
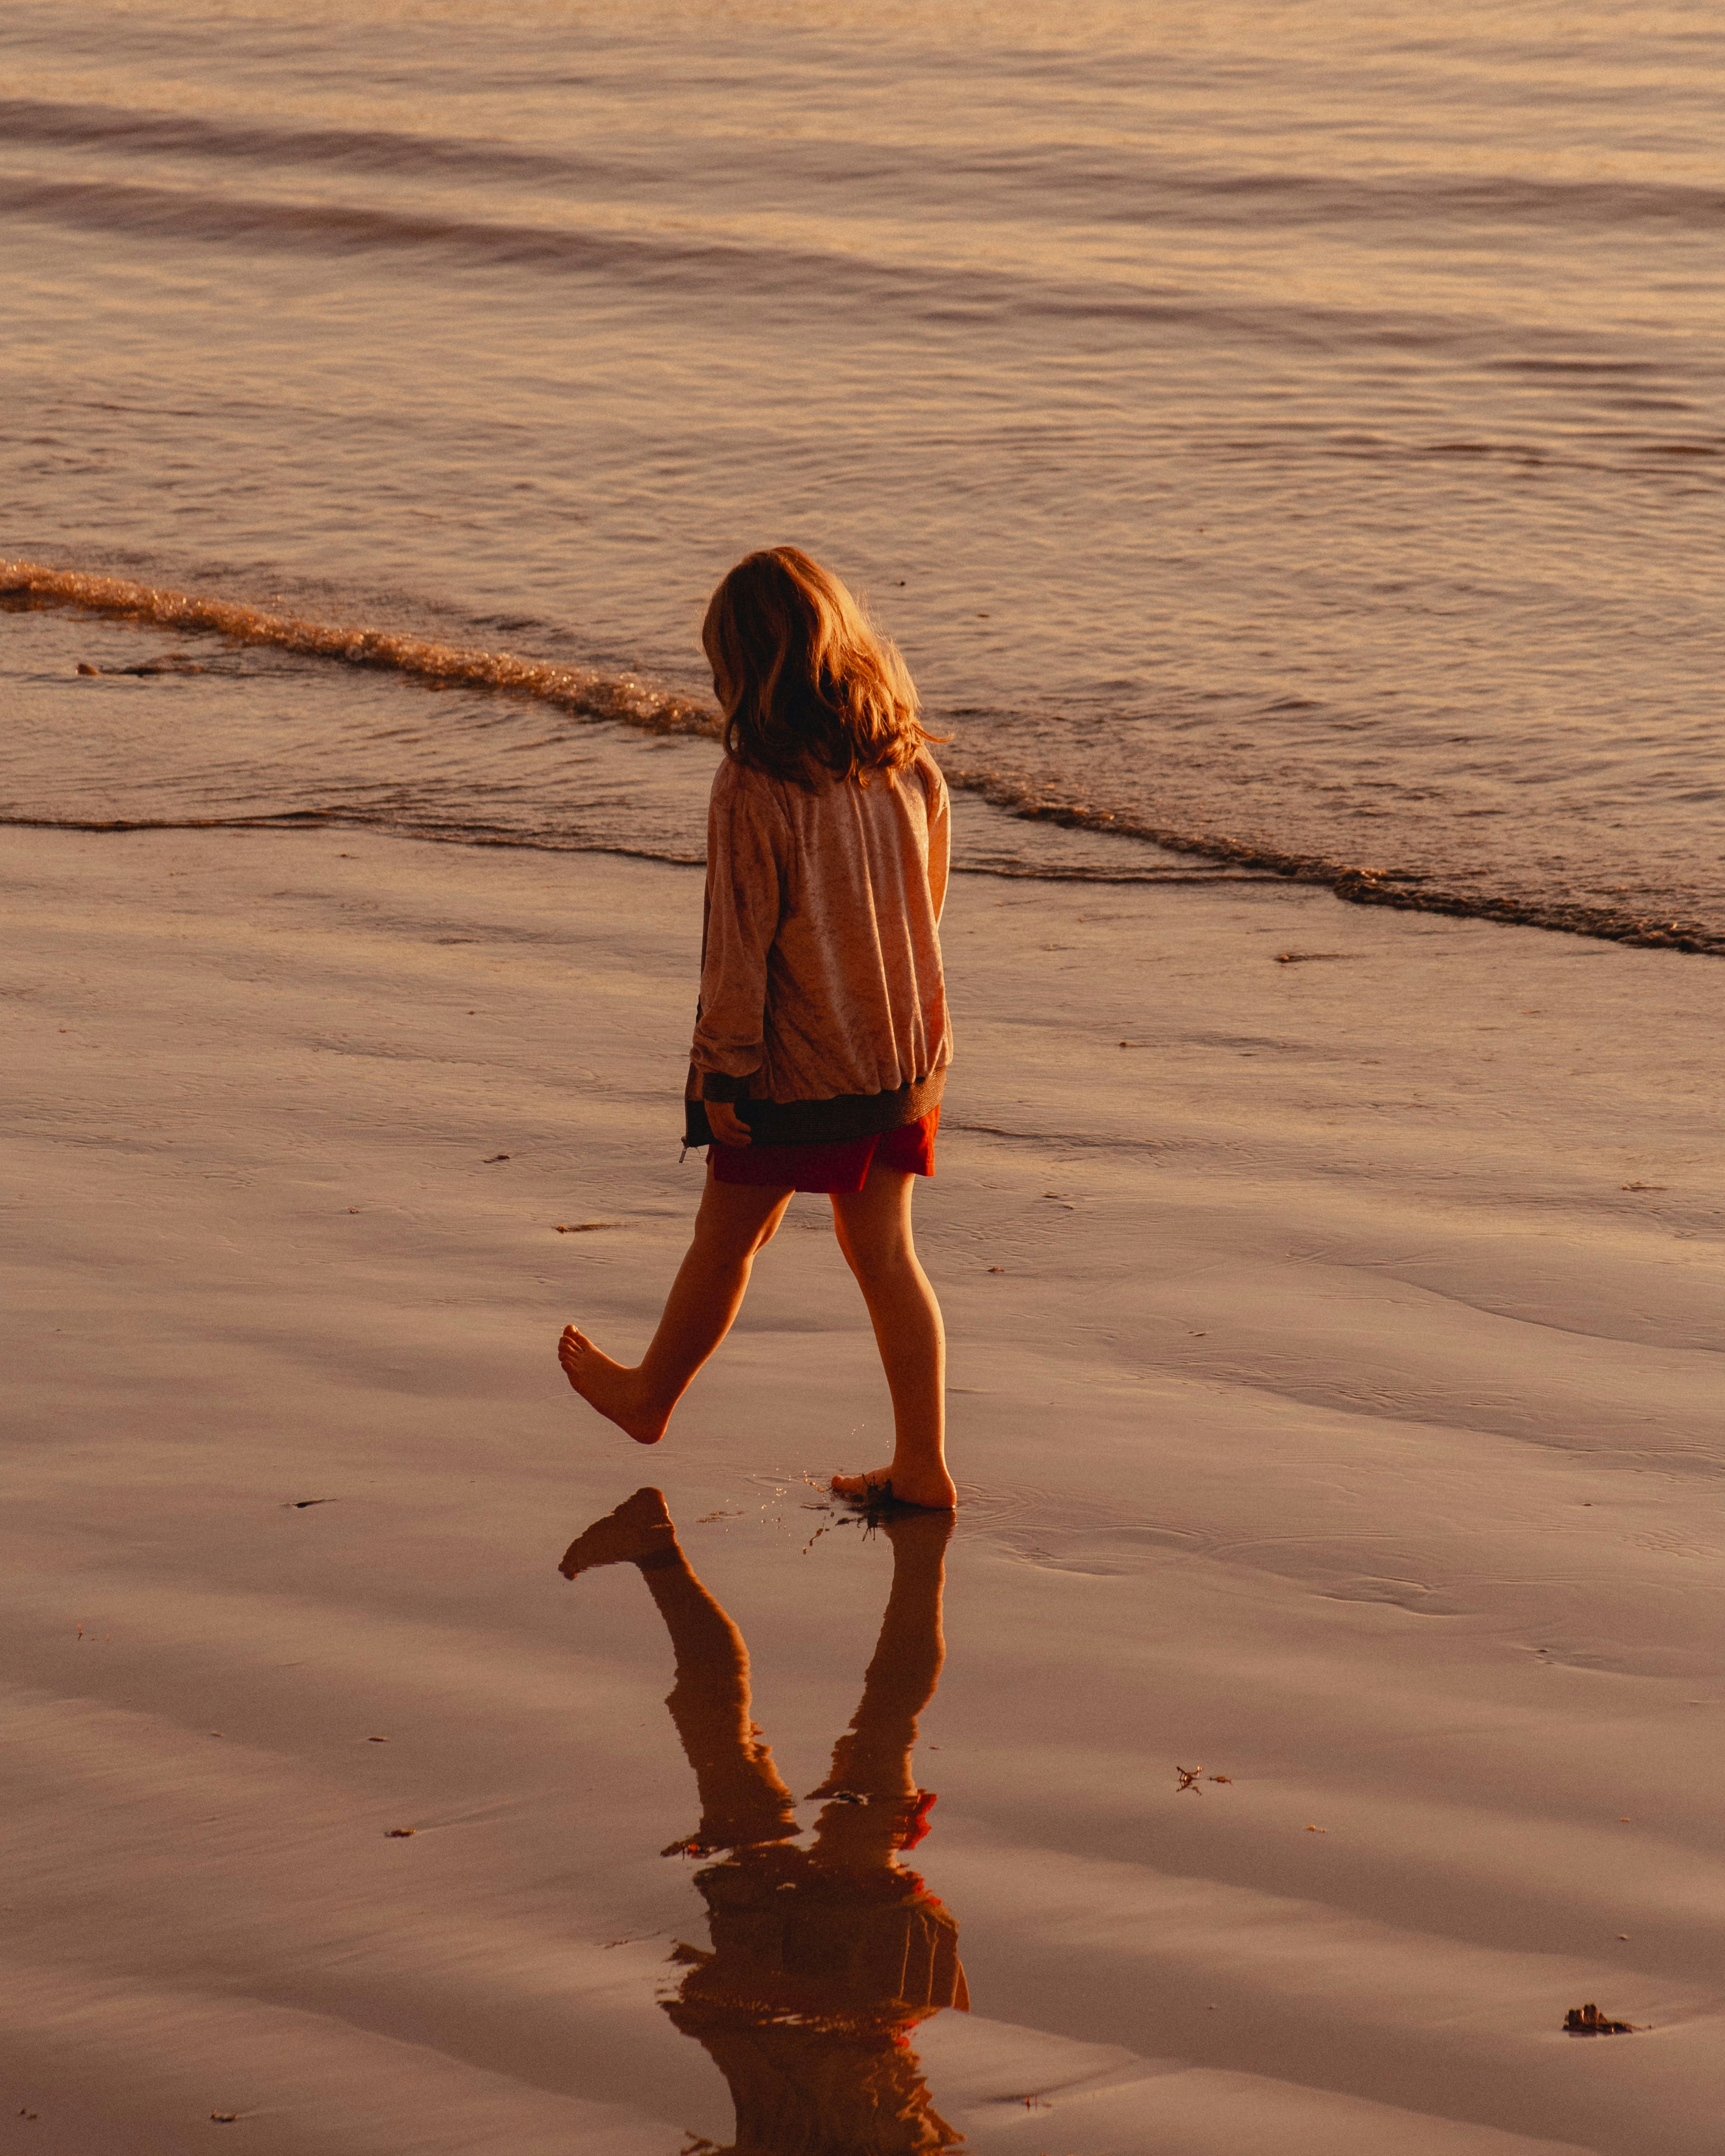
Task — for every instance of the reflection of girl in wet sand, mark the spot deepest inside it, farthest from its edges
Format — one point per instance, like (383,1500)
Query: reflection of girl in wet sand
(821,1039)
(825,1958)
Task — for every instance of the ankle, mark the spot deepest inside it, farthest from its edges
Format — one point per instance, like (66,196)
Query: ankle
(919,1460)
(657,1389)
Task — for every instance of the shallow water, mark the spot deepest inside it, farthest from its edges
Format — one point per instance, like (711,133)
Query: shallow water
(1294,430)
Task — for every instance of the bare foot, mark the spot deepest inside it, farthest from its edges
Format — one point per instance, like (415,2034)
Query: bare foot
(931,1488)
(639,1528)
(616,1392)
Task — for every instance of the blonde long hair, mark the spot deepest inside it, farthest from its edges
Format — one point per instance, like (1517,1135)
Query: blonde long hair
(806,684)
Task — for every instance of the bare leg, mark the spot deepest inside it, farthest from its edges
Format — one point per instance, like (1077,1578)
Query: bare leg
(735,1223)
(743,1799)
(874,1230)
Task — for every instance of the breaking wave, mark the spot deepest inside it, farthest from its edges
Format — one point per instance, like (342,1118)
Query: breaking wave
(625,701)
(570,689)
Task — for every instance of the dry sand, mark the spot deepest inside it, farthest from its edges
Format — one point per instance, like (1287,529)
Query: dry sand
(1322,1314)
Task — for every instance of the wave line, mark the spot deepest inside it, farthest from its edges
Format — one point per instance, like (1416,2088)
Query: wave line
(1132,188)
(591,695)
(626,701)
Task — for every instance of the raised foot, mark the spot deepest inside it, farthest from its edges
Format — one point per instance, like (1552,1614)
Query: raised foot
(616,1392)
(641,1527)
(932,1490)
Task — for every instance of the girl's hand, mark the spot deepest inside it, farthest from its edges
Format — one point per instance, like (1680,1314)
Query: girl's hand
(727,1126)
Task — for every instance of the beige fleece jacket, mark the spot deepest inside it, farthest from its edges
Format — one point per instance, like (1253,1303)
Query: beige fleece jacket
(820,958)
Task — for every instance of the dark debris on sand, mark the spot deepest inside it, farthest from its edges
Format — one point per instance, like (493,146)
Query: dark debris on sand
(1588,2021)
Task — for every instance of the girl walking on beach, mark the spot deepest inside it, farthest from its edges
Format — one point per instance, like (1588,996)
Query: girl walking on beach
(821,1040)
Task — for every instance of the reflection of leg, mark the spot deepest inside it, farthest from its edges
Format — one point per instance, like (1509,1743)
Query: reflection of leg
(640,1527)
(874,1758)
(735,1224)
(742,1798)
(874,1227)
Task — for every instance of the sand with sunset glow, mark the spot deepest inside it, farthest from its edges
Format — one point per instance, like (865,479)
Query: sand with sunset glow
(1336,1382)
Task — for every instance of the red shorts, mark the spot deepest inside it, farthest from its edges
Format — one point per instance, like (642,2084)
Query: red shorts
(842,1169)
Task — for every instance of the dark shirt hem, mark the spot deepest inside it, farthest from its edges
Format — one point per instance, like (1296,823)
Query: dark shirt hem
(821,1122)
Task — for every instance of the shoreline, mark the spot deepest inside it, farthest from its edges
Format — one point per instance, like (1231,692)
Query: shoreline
(626,701)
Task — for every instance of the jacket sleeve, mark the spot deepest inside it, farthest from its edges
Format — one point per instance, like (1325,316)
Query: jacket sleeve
(940,835)
(747,848)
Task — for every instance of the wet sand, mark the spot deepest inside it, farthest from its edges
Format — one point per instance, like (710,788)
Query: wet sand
(1291,1344)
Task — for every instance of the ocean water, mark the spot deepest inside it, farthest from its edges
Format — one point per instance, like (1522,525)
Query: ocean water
(1289,432)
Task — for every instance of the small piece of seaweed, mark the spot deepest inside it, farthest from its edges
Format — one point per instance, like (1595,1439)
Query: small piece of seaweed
(1588,2021)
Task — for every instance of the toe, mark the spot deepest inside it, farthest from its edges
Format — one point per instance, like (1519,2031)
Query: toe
(859,1485)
